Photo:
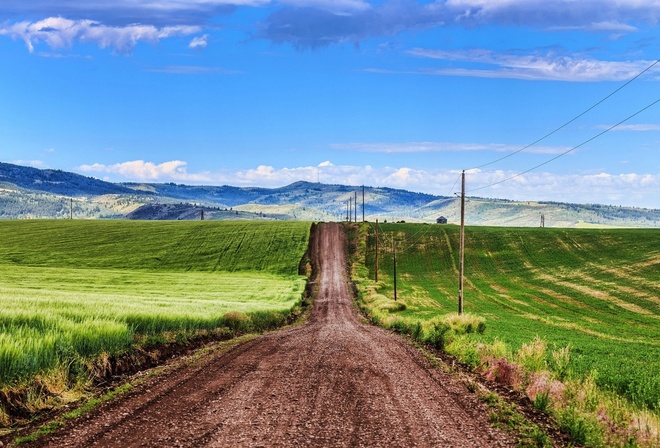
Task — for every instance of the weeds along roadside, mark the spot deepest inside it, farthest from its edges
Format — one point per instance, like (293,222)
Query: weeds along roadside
(75,376)
(192,356)
(588,414)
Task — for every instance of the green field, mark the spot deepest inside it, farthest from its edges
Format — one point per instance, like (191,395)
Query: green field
(597,290)
(71,290)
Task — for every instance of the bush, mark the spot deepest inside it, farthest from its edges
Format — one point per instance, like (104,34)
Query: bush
(532,356)
(582,429)
(237,322)
(560,361)
(267,320)
(438,334)
(465,323)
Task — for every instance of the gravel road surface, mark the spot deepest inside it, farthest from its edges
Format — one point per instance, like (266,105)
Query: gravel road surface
(332,382)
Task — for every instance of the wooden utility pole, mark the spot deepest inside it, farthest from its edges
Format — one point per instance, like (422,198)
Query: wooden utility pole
(461,266)
(363,203)
(394,253)
(376,250)
(355,206)
(71,208)
(201,215)
(348,210)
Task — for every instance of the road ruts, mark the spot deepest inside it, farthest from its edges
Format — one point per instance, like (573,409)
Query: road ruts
(332,382)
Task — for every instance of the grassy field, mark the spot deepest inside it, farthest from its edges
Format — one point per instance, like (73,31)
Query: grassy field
(71,290)
(596,290)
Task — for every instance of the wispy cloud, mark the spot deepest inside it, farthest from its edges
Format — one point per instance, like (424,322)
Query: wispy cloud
(333,6)
(554,12)
(313,27)
(33,163)
(611,26)
(318,27)
(632,127)
(193,70)
(635,189)
(531,67)
(317,23)
(59,33)
(417,147)
(126,12)
(199,42)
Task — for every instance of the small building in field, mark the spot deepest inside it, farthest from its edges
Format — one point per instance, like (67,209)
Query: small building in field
(441,220)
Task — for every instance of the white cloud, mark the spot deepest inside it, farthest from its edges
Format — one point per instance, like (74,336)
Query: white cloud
(322,25)
(33,163)
(532,67)
(334,6)
(417,147)
(632,127)
(317,23)
(630,189)
(193,70)
(326,163)
(141,171)
(199,42)
(554,12)
(610,26)
(58,33)
(633,189)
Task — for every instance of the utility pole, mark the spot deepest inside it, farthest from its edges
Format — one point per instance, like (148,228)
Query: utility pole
(202,215)
(362,203)
(376,250)
(71,208)
(394,253)
(461,266)
(348,210)
(542,220)
(355,206)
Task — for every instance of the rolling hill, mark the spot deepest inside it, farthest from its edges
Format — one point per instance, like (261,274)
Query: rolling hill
(27,192)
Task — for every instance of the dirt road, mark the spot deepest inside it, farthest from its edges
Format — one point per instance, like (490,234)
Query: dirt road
(331,382)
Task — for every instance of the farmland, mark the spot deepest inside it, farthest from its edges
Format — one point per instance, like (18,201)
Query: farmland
(72,290)
(597,291)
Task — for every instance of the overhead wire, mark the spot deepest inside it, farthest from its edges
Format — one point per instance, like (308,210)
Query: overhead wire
(572,119)
(455,183)
(569,150)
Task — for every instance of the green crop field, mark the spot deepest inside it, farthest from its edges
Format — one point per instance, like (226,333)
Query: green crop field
(597,290)
(71,290)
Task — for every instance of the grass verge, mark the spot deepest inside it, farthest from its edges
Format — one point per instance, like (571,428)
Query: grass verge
(511,285)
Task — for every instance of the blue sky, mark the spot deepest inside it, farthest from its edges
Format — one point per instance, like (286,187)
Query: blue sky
(397,93)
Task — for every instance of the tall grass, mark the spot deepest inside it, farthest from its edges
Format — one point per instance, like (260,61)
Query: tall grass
(71,291)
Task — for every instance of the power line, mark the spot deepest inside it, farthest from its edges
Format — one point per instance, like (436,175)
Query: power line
(572,149)
(573,119)
(456,182)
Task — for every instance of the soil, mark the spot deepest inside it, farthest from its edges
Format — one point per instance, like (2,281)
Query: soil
(334,382)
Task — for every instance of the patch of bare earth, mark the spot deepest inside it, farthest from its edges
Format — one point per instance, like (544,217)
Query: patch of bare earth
(333,381)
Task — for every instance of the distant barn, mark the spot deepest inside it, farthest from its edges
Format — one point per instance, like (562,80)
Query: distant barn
(441,220)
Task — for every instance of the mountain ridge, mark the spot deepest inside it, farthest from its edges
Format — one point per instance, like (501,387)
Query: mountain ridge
(27,192)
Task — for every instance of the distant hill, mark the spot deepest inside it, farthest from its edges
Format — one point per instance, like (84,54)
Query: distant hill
(57,182)
(33,193)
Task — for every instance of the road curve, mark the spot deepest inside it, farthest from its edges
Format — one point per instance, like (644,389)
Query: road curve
(333,382)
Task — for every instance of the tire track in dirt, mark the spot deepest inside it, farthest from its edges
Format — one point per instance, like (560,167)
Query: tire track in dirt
(330,382)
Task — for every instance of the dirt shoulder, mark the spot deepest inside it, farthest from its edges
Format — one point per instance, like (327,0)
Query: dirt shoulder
(333,381)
